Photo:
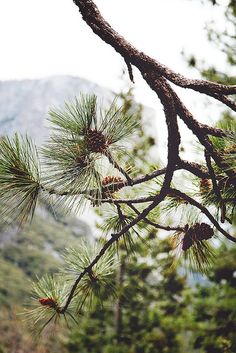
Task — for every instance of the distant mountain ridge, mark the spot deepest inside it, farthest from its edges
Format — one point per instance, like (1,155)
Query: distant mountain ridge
(24,104)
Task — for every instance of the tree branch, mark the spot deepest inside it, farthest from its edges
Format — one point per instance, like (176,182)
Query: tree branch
(154,224)
(143,62)
(205,211)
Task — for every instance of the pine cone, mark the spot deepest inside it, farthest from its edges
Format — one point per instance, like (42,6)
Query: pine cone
(187,241)
(205,185)
(198,232)
(203,231)
(48,302)
(95,141)
(112,179)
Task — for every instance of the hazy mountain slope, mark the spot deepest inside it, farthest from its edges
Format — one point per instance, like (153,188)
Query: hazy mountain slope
(24,104)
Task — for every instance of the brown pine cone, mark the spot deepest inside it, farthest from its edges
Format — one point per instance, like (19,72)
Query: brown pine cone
(112,179)
(95,141)
(204,231)
(187,241)
(205,185)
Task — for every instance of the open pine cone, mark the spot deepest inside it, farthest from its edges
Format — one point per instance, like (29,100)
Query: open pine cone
(198,232)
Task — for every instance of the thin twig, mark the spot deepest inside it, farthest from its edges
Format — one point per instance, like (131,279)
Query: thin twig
(215,186)
(154,224)
(118,167)
(130,70)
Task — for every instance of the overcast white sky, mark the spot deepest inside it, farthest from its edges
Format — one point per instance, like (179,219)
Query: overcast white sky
(48,37)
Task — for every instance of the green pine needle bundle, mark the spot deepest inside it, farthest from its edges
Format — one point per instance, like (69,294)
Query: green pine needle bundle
(19,178)
(82,136)
(114,223)
(193,244)
(99,283)
(49,294)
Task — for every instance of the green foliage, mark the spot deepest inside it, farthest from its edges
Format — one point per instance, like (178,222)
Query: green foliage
(82,135)
(214,308)
(49,295)
(19,178)
(113,221)
(99,283)
(224,40)
(34,251)
(17,286)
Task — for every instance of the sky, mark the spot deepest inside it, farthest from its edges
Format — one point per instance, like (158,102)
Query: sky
(48,37)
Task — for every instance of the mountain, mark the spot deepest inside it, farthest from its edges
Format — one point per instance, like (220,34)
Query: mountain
(25,104)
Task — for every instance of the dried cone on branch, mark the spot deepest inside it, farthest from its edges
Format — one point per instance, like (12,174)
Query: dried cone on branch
(198,232)
(50,302)
(96,141)
(205,185)
(203,231)
(111,179)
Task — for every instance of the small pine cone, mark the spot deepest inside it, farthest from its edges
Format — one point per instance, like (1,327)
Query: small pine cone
(187,241)
(205,185)
(50,302)
(96,141)
(204,231)
(112,179)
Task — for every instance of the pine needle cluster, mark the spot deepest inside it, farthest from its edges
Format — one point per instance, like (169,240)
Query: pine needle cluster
(50,293)
(82,136)
(19,179)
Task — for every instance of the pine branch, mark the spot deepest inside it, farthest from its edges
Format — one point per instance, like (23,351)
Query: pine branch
(204,211)
(143,62)
(118,167)
(154,224)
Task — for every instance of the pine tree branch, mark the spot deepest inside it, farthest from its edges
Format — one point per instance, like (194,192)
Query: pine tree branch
(114,238)
(118,167)
(153,70)
(154,224)
(194,168)
(127,201)
(165,96)
(143,62)
(205,211)
(227,101)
